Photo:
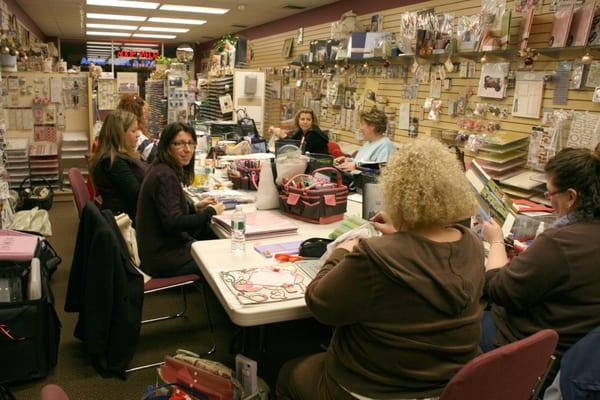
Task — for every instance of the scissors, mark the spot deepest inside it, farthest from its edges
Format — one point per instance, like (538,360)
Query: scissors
(281,257)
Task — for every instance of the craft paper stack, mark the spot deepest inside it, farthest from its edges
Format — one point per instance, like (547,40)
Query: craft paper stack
(17,161)
(74,147)
(210,109)
(155,98)
(260,224)
(43,160)
(504,154)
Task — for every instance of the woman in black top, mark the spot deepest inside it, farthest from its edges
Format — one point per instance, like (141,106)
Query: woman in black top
(311,137)
(115,166)
(166,222)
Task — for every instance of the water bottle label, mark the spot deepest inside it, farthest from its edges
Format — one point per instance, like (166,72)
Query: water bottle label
(237,225)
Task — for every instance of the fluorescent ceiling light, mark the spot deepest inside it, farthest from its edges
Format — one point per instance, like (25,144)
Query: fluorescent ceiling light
(193,9)
(177,21)
(96,33)
(97,46)
(110,26)
(104,43)
(160,29)
(141,44)
(123,3)
(147,35)
(116,17)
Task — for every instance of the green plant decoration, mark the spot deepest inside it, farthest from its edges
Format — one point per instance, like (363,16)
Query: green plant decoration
(165,60)
(229,38)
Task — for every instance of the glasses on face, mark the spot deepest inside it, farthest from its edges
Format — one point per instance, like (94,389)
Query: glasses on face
(548,195)
(180,145)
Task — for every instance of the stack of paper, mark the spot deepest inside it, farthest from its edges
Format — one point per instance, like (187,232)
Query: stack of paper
(17,161)
(157,115)
(74,148)
(504,154)
(17,247)
(260,224)
(43,159)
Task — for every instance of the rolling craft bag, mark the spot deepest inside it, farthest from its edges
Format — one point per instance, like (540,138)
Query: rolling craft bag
(316,202)
(29,328)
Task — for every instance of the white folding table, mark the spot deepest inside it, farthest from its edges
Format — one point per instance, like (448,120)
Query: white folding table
(214,256)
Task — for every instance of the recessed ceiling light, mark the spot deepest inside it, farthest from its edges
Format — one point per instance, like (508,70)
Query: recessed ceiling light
(123,3)
(116,17)
(177,21)
(111,26)
(146,35)
(160,29)
(193,9)
(97,33)
(141,44)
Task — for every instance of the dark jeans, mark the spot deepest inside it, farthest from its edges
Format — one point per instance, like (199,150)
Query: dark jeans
(488,332)
(188,268)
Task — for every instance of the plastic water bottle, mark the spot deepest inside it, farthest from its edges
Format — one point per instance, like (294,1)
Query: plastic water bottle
(238,230)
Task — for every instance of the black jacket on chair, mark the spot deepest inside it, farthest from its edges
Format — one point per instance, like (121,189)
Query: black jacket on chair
(107,292)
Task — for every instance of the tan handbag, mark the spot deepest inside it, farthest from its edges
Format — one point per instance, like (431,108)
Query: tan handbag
(128,232)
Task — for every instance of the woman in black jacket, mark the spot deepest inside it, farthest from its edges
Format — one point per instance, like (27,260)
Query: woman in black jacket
(167,223)
(115,166)
(312,138)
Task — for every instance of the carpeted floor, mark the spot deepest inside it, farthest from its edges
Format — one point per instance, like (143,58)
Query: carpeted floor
(79,379)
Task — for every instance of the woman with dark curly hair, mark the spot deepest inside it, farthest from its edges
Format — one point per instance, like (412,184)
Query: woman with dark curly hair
(555,283)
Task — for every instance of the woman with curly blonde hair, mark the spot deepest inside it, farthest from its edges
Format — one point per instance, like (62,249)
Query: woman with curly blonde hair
(405,305)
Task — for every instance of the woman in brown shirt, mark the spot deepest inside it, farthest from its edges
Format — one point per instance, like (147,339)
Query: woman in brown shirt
(555,283)
(405,305)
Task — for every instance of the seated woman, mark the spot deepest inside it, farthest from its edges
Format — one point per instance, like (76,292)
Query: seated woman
(166,222)
(555,282)
(312,138)
(137,106)
(115,166)
(405,305)
(378,149)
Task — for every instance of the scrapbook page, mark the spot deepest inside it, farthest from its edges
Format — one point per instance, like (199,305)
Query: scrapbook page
(561,26)
(266,284)
(492,82)
(582,23)
(527,102)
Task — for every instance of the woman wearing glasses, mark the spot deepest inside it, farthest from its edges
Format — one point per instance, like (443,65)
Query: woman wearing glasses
(116,167)
(555,282)
(166,223)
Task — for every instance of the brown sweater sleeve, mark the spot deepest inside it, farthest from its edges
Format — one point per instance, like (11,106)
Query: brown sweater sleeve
(340,294)
(529,277)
